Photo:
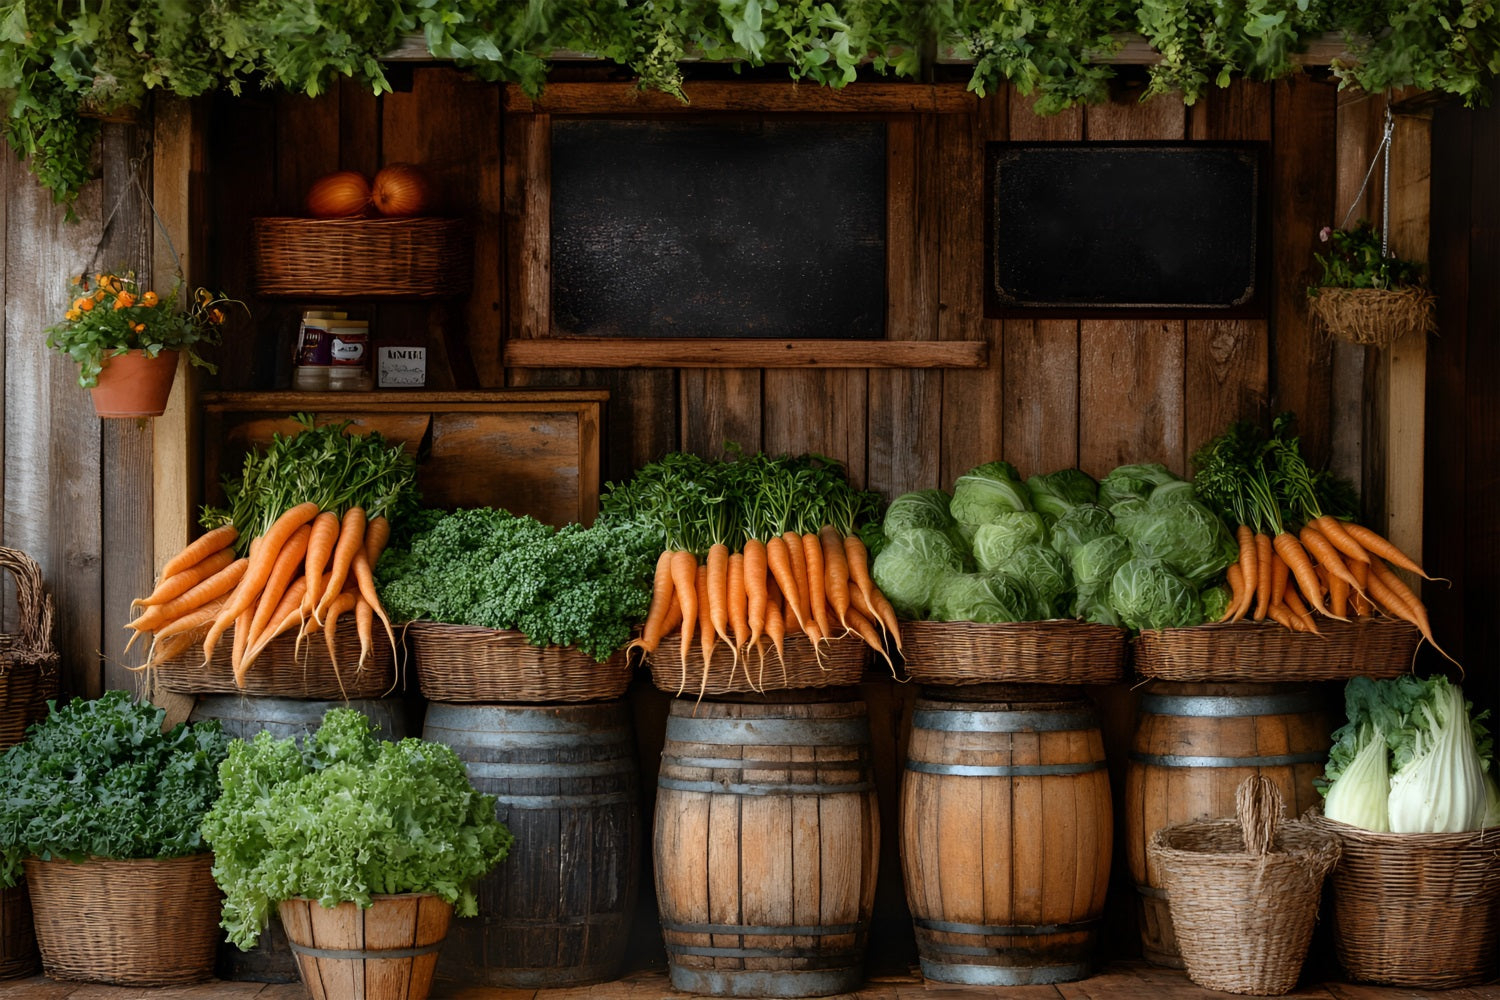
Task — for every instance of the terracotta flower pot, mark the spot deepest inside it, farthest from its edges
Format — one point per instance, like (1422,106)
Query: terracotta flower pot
(134,385)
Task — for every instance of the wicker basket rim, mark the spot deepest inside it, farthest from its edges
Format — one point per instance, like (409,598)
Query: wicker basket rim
(408,221)
(468,633)
(1488,838)
(1294,840)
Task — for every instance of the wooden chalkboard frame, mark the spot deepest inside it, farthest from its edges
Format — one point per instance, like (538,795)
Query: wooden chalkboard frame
(1250,306)
(533,340)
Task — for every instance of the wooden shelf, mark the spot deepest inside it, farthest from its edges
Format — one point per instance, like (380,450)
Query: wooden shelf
(704,352)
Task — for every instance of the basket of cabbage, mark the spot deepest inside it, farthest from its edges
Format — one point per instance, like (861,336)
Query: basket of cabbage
(1410,791)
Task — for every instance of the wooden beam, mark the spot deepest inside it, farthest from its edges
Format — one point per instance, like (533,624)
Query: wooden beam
(692,352)
(761,98)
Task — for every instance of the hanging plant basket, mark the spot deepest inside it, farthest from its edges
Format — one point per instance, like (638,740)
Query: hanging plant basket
(135,385)
(1373,316)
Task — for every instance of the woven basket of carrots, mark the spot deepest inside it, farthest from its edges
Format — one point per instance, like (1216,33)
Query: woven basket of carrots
(241,608)
(467,663)
(762,582)
(1314,594)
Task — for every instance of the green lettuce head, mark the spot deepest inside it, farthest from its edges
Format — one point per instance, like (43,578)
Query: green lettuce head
(996,543)
(1186,535)
(910,567)
(1147,594)
(1059,492)
(984,597)
(1078,527)
(1133,481)
(986,491)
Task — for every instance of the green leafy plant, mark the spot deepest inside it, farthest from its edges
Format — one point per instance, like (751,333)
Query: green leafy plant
(1449,46)
(116,316)
(102,779)
(1052,48)
(1356,260)
(343,817)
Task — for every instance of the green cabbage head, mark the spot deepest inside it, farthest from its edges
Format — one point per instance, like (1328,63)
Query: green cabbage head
(910,567)
(1147,594)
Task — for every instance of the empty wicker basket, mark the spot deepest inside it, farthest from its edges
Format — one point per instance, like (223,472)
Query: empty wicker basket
(1244,892)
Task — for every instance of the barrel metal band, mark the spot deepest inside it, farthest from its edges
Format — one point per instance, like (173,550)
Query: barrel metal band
(487,721)
(746,764)
(817,930)
(1003,770)
(1001,930)
(368,953)
(1004,975)
(1184,760)
(552,769)
(548,802)
(739,788)
(1231,706)
(1150,891)
(769,732)
(944,721)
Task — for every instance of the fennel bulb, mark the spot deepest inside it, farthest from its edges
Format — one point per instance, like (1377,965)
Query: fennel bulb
(1359,796)
(1441,787)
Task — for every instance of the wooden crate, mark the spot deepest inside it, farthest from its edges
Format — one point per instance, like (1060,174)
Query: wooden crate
(529,451)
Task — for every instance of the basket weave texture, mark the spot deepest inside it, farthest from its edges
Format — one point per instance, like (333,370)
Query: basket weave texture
(284,672)
(1416,909)
(402,258)
(1244,892)
(1049,652)
(131,923)
(28,660)
(1374,316)
(837,663)
(466,663)
(1265,651)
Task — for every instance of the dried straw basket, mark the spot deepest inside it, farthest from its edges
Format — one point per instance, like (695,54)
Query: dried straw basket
(1244,892)
(1374,316)
(466,663)
(403,258)
(1416,909)
(1050,652)
(28,661)
(131,923)
(1265,651)
(837,663)
(283,672)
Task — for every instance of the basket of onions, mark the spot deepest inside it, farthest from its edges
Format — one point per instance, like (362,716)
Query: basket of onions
(365,238)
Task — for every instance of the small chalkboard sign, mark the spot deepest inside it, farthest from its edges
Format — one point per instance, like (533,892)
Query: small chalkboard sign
(722,227)
(1101,227)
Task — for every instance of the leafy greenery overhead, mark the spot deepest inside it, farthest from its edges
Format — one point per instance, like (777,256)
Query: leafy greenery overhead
(100,778)
(56,59)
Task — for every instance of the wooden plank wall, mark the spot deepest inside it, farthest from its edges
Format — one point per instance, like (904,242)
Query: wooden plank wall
(76,490)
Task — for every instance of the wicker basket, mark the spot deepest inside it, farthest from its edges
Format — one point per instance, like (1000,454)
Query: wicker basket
(1374,316)
(466,663)
(1266,651)
(1416,909)
(838,663)
(132,923)
(1244,892)
(1050,652)
(402,258)
(284,672)
(28,661)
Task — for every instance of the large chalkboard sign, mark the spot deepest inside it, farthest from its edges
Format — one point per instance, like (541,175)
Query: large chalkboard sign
(719,228)
(1123,227)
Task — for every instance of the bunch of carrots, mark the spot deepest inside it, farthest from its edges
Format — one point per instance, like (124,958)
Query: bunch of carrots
(310,568)
(755,550)
(1298,557)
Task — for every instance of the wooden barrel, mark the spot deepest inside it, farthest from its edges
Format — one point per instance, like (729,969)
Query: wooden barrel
(1006,834)
(766,847)
(557,911)
(1193,745)
(385,952)
(271,960)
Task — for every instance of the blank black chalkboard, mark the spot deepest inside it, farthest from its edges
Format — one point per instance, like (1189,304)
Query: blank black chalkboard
(719,228)
(1129,227)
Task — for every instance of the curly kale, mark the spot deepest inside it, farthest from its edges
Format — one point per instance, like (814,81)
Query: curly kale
(575,586)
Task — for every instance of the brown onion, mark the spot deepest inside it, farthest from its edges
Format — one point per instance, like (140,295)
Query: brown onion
(338,195)
(401,189)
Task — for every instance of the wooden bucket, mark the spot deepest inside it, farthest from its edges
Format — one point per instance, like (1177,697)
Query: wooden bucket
(566,780)
(18,951)
(242,717)
(766,847)
(386,952)
(1193,745)
(1006,834)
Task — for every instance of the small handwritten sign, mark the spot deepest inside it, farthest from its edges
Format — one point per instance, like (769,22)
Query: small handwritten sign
(403,367)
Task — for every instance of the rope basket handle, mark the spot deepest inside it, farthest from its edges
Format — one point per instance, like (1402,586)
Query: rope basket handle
(33,603)
(1260,808)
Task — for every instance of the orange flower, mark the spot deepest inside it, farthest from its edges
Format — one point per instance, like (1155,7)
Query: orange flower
(216,316)
(149,299)
(125,301)
(73,315)
(85,304)
(99,295)
(139,328)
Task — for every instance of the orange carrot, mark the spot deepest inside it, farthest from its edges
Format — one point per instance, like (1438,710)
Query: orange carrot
(866,630)
(241,640)
(288,567)
(201,548)
(858,559)
(263,554)
(1279,571)
(888,615)
(755,589)
(1249,573)
(377,533)
(1386,580)
(716,564)
(1378,545)
(1359,601)
(783,567)
(1282,615)
(282,617)
(342,605)
(1322,549)
(1333,529)
(185,580)
(705,626)
(835,571)
(215,586)
(364,579)
(1300,611)
(325,533)
(775,625)
(661,599)
(1295,556)
(739,612)
(1236,591)
(351,538)
(195,618)
(798,557)
(817,587)
(685,579)
(1338,596)
(1263,550)
(364,624)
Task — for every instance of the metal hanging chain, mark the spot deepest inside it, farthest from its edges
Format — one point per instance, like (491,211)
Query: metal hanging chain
(137,171)
(1383,156)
